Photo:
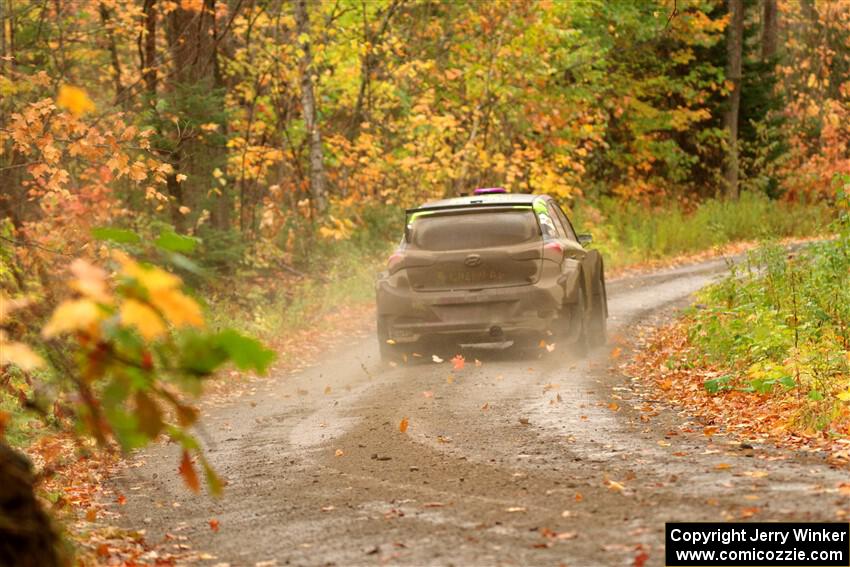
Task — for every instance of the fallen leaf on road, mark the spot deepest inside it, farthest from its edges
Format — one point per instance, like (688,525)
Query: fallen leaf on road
(844,488)
(339,453)
(722,466)
(579,497)
(551,534)
(327,390)
(613,406)
(663,443)
(513,509)
(614,485)
(328,508)
(390,342)
(433,505)
(91,515)
(524,420)
(428,394)
(402,426)
(616,352)
(478,363)
(640,559)
(566,514)
(486,406)
(750,512)
(709,430)
(756,474)
(214,525)
(450,379)
(458,362)
(121,500)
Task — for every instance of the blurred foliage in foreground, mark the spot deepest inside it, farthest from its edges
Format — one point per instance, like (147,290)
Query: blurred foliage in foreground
(780,326)
(121,355)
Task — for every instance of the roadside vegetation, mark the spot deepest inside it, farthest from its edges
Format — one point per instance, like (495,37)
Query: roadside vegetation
(767,350)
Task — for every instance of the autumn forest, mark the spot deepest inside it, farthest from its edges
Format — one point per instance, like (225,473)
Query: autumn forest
(198,189)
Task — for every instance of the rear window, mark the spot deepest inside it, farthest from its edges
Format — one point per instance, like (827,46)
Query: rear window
(473,230)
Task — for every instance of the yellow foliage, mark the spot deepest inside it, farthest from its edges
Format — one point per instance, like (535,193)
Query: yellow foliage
(19,354)
(180,309)
(74,99)
(72,315)
(90,281)
(136,314)
(164,292)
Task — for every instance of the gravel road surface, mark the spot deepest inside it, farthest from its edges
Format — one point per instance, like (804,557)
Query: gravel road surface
(518,461)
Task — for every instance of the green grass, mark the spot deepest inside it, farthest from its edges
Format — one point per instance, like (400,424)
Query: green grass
(630,233)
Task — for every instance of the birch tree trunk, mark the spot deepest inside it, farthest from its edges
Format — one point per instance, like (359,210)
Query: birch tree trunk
(318,190)
(734,48)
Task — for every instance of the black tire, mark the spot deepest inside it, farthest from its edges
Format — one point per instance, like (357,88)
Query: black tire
(573,328)
(597,324)
(389,352)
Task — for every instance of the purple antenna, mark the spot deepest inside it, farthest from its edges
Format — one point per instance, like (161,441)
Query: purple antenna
(489,190)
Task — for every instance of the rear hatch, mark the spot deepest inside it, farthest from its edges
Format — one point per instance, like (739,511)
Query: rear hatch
(473,248)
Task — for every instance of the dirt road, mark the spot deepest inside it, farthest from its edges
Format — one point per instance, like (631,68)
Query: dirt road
(511,463)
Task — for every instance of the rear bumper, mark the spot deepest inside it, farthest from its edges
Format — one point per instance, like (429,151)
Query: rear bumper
(474,316)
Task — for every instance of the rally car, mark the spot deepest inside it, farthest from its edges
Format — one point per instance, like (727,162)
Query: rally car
(491,267)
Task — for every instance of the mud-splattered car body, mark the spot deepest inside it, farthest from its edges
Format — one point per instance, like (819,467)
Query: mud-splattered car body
(489,268)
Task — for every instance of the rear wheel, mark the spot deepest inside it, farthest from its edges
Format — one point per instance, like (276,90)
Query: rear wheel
(389,351)
(573,328)
(597,324)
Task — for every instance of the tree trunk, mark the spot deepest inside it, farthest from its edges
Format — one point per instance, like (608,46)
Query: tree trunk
(769,30)
(147,47)
(113,49)
(193,44)
(27,536)
(318,191)
(734,48)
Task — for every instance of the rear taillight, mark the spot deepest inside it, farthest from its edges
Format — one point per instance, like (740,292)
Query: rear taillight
(553,251)
(554,247)
(394,261)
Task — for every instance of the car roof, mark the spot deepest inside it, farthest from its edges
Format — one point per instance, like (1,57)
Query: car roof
(489,199)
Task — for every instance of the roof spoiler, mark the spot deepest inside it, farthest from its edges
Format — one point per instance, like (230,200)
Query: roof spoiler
(460,207)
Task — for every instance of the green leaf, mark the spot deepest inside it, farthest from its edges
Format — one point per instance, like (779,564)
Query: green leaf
(788,382)
(716,384)
(119,235)
(173,242)
(245,352)
(815,395)
(201,354)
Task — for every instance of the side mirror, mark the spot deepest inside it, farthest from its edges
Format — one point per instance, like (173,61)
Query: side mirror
(585,239)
